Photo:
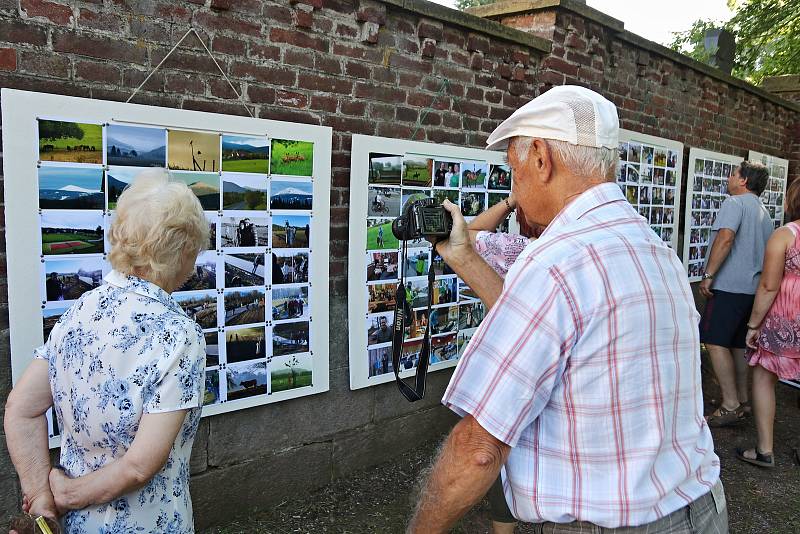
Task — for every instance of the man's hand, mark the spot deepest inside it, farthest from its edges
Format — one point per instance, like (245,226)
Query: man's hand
(705,288)
(457,247)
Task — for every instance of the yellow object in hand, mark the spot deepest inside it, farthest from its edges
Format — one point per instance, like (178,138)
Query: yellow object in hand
(42,524)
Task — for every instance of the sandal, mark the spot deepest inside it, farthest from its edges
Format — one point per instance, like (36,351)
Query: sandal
(725,417)
(761,460)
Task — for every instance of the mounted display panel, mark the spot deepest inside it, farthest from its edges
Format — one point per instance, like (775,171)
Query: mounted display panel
(772,197)
(649,175)
(385,174)
(259,292)
(707,187)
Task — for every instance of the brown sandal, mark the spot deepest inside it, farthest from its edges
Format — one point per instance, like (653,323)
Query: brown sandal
(725,417)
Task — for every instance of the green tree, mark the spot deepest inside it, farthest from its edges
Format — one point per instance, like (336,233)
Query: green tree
(767,38)
(464,4)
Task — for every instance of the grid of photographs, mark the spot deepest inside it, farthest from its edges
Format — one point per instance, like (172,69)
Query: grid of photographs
(393,180)
(250,290)
(772,197)
(649,177)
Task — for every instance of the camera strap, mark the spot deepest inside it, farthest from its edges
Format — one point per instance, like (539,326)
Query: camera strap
(402,315)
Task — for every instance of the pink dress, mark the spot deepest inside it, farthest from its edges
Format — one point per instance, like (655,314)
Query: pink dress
(779,341)
(500,250)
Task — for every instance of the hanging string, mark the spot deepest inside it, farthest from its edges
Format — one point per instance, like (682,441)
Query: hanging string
(185,35)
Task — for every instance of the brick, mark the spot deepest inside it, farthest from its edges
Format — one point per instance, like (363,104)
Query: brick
(56,13)
(299,39)
(323,25)
(412,79)
(455,37)
(214,22)
(304,16)
(431,29)
(43,63)
(301,58)
(357,70)
(220,88)
(291,99)
(8,59)
(504,70)
(518,88)
(437,135)
(263,51)
(95,71)
(100,21)
(16,31)
(477,43)
(216,106)
(343,30)
(369,32)
(493,97)
(289,114)
(384,75)
(186,60)
(520,56)
(379,92)
(327,64)
(353,125)
(272,75)
(174,12)
(422,100)
(370,55)
(228,45)
(518,73)
(406,114)
(476,61)
(184,83)
(560,66)
(278,14)
(317,4)
(475,93)
(459,58)
(85,45)
(381,111)
(475,109)
(428,49)
(221,5)
(151,30)
(260,95)
(370,11)
(574,40)
(324,103)
(410,63)
(328,84)
(353,107)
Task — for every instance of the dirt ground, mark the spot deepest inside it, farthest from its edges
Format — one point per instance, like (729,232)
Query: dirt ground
(379,500)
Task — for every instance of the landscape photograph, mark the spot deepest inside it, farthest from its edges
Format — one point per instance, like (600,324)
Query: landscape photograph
(204,275)
(117,179)
(72,142)
(244,192)
(211,392)
(380,236)
(239,232)
(289,303)
(385,169)
(290,231)
(193,151)
(244,270)
(292,158)
(246,380)
(286,195)
(289,267)
(69,278)
(244,306)
(205,186)
(72,232)
(289,338)
(242,344)
(417,171)
(244,153)
(50,316)
(201,307)
(212,348)
(134,146)
(290,372)
(71,188)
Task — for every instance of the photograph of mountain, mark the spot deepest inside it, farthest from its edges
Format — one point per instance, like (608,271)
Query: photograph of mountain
(117,179)
(244,192)
(286,195)
(241,153)
(135,146)
(205,185)
(71,188)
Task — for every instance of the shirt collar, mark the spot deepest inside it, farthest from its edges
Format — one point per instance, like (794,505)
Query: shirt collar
(141,287)
(590,199)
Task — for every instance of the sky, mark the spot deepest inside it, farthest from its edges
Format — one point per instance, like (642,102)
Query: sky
(57,177)
(142,139)
(652,19)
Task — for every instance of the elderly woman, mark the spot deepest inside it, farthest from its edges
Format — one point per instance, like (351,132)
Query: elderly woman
(124,369)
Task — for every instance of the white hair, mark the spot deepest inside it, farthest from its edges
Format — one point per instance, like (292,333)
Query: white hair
(584,161)
(156,223)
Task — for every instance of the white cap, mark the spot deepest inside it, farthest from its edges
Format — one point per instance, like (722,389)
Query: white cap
(566,113)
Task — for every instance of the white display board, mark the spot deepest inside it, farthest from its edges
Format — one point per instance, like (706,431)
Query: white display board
(265,186)
(396,170)
(707,187)
(650,176)
(772,197)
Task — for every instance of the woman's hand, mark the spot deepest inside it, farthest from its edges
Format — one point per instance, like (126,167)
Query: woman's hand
(43,504)
(512,201)
(752,338)
(61,486)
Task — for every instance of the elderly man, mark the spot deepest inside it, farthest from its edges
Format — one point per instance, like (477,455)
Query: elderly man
(582,384)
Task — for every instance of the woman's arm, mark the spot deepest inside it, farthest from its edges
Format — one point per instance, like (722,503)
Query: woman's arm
(490,219)
(771,276)
(146,457)
(26,436)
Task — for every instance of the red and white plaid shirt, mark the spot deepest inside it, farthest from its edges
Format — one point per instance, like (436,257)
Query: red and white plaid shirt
(588,367)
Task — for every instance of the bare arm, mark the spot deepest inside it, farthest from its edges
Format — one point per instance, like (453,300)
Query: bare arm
(468,464)
(26,435)
(719,253)
(771,275)
(490,219)
(146,457)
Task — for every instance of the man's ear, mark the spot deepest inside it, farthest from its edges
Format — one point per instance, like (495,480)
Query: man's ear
(541,158)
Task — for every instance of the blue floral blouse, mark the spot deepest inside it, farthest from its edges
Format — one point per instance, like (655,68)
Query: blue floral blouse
(123,350)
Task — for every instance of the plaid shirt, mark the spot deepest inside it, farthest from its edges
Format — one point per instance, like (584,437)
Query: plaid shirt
(588,367)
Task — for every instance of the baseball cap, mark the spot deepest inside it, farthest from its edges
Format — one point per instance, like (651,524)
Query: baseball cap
(568,113)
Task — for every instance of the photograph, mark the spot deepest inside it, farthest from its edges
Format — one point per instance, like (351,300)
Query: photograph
(380,236)
(473,204)
(205,186)
(444,320)
(291,231)
(415,327)
(244,192)
(417,293)
(646,174)
(289,267)
(385,169)
(632,194)
(496,198)
(632,173)
(244,270)
(290,338)
(470,315)
(417,171)
(699,166)
(211,391)
(708,167)
(658,176)
(444,291)
(213,222)
(72,232)
(242,344)
(644,211)
(285,195)
(473,175)
(450,194)
(68,279)
(290,372)
(204,275)
(380,361)
(50,316)
(446,173)
(634,152)
(465,293)
(201,307)
(289,303)
(671,177)
(292,158)
(647,154)
(237,232)
(439,266)
(244,306)
(381,297)
(71,188)
(244,153)
(212,348)
(623,150)
(384,202)
(246,380)
(382,266)
(409,356)
(462,340)
(117,179)
(134,146)
(443,348)
(718,169)
(71,142)
(660,158)
(644,195)
(410,195)
(417,262)
(193,151)
(500,177)
(379,328)
(672,158)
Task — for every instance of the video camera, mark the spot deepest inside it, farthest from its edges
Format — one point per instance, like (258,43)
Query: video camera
(422,218)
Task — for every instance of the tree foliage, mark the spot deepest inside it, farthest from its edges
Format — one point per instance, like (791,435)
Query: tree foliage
(464,4)
(767,38)
(57,130)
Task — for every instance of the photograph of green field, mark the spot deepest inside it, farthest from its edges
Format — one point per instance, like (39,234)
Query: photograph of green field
(385,169)
(192,151)
(244,153)
(290,372)
(72,232)
(243,192)
(380,236)
(417,171)
(292,158)
(73,142)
